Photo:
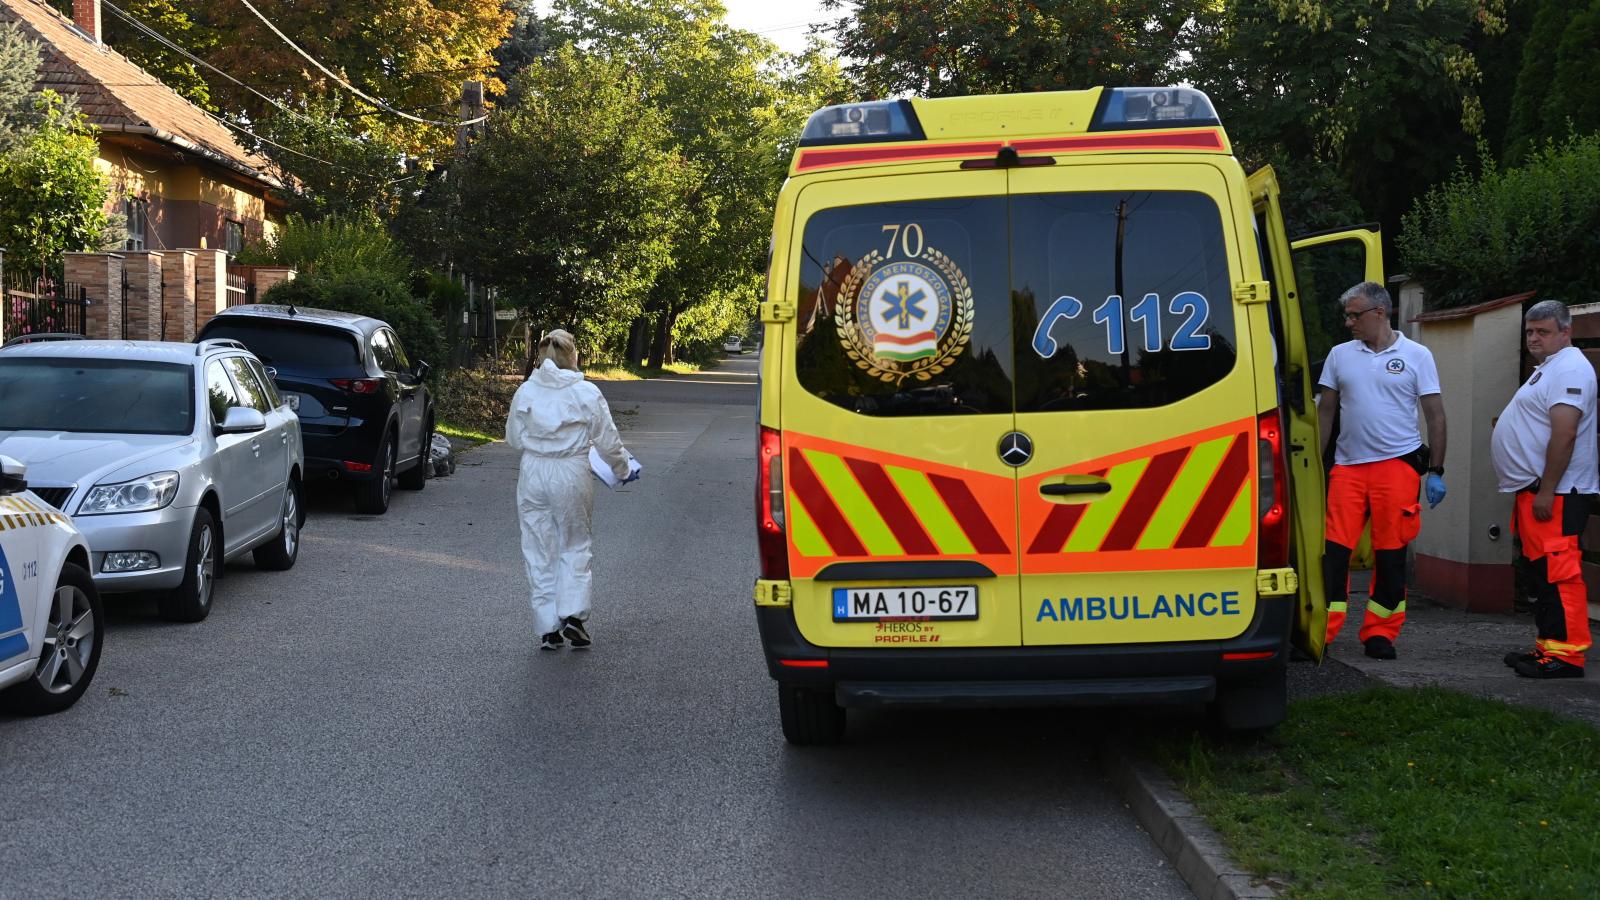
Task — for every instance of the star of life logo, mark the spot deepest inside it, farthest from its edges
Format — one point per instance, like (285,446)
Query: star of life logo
(904,310)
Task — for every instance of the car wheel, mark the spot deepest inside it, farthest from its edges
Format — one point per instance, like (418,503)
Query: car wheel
(1252,706)
(416,477)
(191,601)
(810,716)
(71,651)
(280,553)
(372,496)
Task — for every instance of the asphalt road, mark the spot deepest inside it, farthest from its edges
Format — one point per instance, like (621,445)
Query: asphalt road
(379,722)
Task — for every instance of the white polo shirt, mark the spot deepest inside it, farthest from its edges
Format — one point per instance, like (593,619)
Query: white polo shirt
(1378,395)
(1523,430)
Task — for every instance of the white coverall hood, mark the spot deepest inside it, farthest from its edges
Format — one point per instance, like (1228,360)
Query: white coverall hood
(555,418)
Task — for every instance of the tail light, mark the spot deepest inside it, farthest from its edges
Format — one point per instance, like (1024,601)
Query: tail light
(769,506)
(358,385)
(1272,549)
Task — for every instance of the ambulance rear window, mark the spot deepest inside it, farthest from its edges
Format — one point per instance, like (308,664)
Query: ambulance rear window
(1126,298)
(903,308)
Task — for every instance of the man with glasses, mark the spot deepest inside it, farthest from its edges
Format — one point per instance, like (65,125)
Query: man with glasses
(1375,383)
(1543,450)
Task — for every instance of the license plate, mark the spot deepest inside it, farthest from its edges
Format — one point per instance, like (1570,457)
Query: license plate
(877,604)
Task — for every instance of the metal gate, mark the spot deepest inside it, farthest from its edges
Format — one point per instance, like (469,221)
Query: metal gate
(43,306)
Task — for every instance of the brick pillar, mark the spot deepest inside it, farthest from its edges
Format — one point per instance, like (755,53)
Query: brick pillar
(211,285)
(267,276)
(101,277)
(177,277)
(143,268)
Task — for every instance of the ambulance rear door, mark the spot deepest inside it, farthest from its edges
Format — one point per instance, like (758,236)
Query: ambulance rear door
(1307,487)
(900,513)
(1138,504)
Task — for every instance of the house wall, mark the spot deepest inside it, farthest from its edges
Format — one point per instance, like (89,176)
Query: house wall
(190,202)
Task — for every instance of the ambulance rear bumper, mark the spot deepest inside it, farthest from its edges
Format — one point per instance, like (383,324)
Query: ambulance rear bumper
(1099,675)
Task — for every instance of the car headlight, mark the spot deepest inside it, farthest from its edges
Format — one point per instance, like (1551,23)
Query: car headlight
(151,492)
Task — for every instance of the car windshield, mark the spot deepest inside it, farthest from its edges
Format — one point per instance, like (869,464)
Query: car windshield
(291,346)
(99,396)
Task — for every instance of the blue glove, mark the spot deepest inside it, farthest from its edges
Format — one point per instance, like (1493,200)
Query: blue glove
(1434,489)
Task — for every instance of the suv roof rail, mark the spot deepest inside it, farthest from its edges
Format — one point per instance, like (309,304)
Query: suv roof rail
(43,336)
(220,342)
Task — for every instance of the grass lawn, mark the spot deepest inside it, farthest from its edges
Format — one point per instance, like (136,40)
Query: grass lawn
(635,372)
(465,434)
(1417,793)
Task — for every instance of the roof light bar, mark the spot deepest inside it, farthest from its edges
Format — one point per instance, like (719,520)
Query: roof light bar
(1123,109)
(862,123)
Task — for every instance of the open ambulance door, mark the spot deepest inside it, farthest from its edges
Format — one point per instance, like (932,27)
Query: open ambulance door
(1307,489)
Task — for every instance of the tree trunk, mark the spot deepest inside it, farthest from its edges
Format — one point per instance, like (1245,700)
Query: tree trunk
(661,349)
(639,340)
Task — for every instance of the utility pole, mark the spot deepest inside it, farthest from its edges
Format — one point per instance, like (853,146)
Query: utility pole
(471,108)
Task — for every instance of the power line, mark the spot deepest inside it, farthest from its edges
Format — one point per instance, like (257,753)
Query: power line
(350,87)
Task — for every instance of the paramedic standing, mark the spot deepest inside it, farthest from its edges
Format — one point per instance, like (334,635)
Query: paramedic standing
(1543,451)
(1376,383)
(556,416)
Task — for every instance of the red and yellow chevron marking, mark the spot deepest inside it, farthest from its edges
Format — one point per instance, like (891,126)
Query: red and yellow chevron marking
(1185,503)
(850,503)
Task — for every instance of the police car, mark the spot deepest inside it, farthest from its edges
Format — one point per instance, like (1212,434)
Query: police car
(51,623)
(1036,427)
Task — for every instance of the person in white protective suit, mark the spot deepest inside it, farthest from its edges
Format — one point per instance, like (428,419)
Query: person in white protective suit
(555,418)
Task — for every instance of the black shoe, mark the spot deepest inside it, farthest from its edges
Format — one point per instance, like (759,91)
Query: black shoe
(572,629)
(551,641)
(1548,667)
(1516,656)
(1379,648)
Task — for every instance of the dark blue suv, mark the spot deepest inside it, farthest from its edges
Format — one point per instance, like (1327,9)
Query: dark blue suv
(365,413)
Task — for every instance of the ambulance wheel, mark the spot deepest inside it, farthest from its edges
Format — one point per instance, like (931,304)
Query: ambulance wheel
(1248,706)
(810,716)
(71,650)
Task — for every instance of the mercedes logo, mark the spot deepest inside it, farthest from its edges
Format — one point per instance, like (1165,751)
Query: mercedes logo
(1016,449)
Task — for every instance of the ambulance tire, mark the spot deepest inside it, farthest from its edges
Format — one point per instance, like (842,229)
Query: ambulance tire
(1252,706)
(30,697)
(811,717)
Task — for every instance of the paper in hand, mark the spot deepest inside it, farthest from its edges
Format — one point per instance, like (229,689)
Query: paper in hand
(602,470)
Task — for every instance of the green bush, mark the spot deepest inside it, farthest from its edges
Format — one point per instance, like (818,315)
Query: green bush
(1505,231)
(477,398)
(372,294)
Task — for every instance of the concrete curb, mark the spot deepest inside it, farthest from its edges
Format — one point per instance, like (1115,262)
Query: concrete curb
(1180,831)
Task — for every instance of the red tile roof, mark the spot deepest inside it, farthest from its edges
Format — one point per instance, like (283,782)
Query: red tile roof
(117,95)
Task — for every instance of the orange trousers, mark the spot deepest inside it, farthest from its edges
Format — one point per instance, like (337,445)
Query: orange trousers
(1561,602)
(1385,493)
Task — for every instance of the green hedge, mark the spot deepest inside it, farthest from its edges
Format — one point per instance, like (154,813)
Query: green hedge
(1505,231)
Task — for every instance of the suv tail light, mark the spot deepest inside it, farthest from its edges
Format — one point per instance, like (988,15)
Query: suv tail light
(769,506)
(1272,548)
(357,385)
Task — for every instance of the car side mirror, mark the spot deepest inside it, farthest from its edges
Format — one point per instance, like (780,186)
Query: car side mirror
(242,420)
(13,476)
(421,369)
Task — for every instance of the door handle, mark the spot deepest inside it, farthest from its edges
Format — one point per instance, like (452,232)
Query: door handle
(1064,490)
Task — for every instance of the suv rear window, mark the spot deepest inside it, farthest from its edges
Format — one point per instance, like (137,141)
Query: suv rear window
(290,345)
(902,308)
(1129,298)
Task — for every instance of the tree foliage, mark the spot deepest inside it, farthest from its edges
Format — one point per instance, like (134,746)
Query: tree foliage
(1383,94)
(1007,46)
(569,201)
(1554,95)
(52,198)
(1501,231)
(731,104)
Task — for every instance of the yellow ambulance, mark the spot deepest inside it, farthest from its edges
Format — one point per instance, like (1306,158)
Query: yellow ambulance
(1035,418)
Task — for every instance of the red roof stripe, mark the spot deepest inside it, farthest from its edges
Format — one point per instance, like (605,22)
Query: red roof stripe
(833,157)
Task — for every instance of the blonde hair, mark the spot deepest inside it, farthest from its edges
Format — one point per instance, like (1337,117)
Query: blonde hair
(559,347)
